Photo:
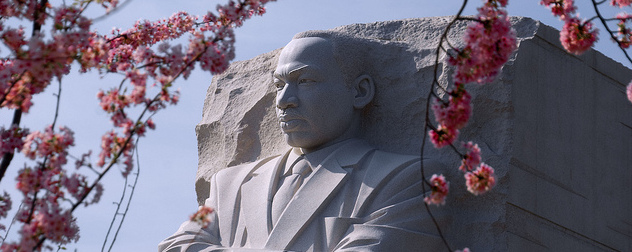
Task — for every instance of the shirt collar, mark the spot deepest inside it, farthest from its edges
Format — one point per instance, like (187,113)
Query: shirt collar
(316,157)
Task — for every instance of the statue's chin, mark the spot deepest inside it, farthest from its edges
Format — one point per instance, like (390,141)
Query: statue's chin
(300,140)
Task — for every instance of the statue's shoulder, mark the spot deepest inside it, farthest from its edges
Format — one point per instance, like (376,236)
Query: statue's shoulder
(245,169)
(396,159)
(397,162)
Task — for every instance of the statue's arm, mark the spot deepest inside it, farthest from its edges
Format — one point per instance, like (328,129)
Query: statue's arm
(395,220)
(191,237)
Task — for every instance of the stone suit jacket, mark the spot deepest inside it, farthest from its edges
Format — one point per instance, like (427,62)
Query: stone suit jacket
(357,199)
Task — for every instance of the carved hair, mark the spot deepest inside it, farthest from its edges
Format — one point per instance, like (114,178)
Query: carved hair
(353,54)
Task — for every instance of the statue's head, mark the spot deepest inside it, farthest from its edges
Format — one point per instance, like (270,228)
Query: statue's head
(321,90)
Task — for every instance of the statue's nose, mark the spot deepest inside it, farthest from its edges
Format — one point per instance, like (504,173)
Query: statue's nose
(286,98)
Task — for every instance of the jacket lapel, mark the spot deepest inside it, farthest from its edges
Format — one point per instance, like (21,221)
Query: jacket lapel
(315,194)
(255,201)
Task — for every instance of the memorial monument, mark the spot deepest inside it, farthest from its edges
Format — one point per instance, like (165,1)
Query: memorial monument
(331,190)
(556,127)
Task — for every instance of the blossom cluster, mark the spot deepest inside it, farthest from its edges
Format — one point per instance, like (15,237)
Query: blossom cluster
(12,139)
(48,144)
(451,116)
(621,3)
(49,220)
(560,8)
(439,190)
(629,91)
(489,42)
(480,180)
(202,216)
(149,64)
(624,33)
(5,206)
(576,35)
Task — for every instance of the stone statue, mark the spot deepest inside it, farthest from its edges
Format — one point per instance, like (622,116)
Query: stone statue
(331,191)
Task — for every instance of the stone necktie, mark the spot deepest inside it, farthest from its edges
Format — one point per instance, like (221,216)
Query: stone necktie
(289,186)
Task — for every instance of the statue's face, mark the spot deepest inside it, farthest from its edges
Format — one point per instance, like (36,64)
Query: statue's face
(314,105)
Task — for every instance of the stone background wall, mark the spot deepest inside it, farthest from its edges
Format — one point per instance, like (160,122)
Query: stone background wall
(556,127)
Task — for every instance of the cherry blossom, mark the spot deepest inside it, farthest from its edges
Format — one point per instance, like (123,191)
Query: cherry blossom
(560,8)
(440,188)
(443,136)
(11,139)
(457,112)
(624,33)
(481,180)
(28,180)
(578,36)
(49,144)
(621,3)
(490,41)
(629,91)
(5,206)
(472,157)
(111,145)
(202,216)
(150,66)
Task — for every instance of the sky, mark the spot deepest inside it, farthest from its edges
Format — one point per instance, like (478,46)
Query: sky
(165,193)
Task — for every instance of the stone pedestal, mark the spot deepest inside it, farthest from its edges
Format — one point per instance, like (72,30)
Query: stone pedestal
(556,127)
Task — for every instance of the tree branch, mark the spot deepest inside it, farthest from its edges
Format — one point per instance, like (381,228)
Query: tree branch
(130,197)
(605,25)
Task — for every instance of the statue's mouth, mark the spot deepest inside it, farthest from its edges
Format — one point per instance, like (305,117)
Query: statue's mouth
(287,125)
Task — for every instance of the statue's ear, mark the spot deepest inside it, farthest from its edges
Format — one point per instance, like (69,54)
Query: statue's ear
(364,90)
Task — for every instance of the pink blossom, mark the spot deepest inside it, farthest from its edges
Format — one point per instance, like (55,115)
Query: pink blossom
(490,41)
(560,8)
(629,91)
(621,3)
(440,188)
(50,145)
(111,146)
(28,180)
(150,123)
(55,224)
(472,158)
(97,194)
(5,205)
(76,185)
(457,112)
(577,36)
(624,33)
(47,55)
(138,80)
(443,136)
(481,180)
(14,38)
(202,216)
(464,250)
(82,161)
(11,139)
(112,101)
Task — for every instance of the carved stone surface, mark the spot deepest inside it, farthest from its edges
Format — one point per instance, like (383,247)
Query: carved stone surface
(556,127)
(331,191)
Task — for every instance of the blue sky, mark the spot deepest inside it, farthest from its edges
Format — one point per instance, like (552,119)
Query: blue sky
(165,194)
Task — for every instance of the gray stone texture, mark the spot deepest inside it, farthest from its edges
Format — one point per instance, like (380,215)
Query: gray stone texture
(556,127)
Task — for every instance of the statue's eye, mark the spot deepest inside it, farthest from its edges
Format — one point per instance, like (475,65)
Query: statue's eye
(303,81)
(279,84)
